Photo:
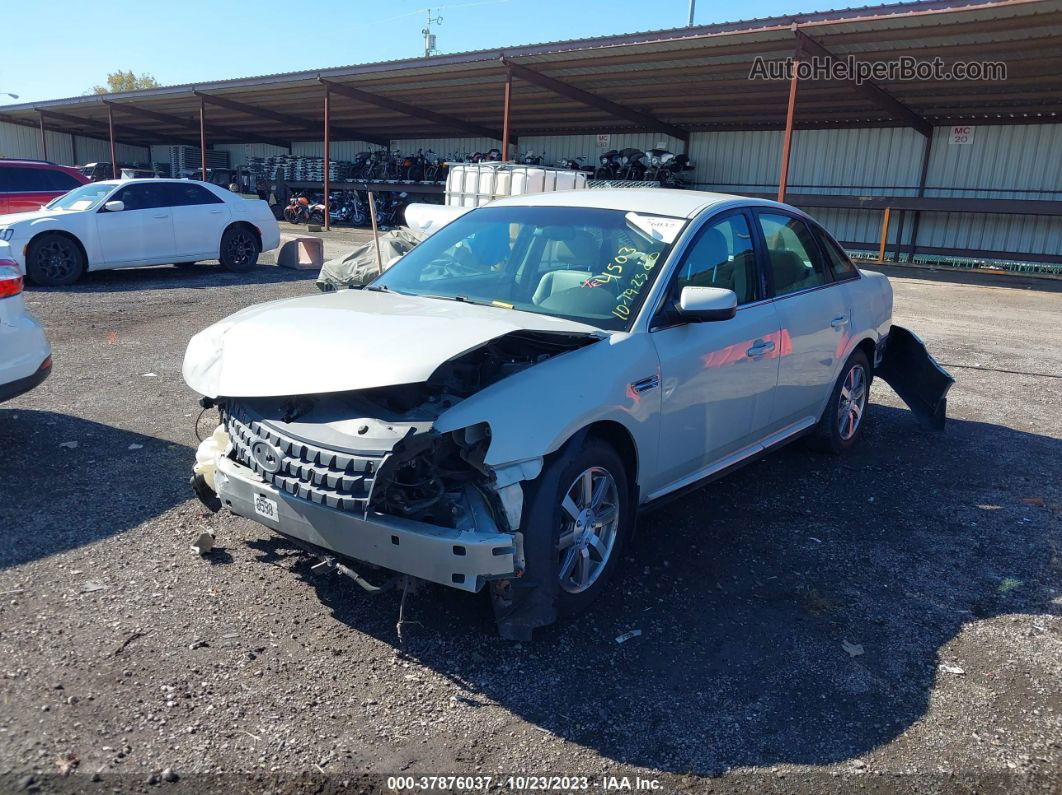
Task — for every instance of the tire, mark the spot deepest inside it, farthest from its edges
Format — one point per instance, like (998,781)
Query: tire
(54,261)
(185,266)
(570,554)
(292,215)
(848,402)
(239,249)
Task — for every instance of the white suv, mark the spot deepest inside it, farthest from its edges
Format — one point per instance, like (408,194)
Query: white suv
(25,357)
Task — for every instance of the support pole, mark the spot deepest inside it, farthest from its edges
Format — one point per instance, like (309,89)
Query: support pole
(505,113)
(327,160)
(884,235)
(114,155)
(787,141)
(375,231)
(44,138)
(921,192)
(202,138)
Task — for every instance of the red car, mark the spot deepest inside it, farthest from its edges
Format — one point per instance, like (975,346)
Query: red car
(27,184)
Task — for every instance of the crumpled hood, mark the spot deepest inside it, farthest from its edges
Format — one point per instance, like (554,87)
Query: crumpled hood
(352,339)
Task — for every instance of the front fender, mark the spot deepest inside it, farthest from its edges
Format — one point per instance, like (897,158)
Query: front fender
(533,413)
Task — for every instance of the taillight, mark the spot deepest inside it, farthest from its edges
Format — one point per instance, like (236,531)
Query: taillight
(10,279)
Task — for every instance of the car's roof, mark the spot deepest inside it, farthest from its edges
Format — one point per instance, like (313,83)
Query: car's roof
(658,201)
(151,180)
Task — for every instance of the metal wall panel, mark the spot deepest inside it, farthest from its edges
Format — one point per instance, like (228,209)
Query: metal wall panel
(339,150)
(19,141)
(241,154)
(1002,162)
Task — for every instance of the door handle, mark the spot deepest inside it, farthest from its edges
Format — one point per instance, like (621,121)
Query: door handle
(215,212)
(839,321)
(760,348)
(164,215)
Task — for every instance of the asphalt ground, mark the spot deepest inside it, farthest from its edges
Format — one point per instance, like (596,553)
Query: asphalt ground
(886,621)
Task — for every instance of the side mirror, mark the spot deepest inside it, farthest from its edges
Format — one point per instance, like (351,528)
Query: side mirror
(114,207)
(705,304)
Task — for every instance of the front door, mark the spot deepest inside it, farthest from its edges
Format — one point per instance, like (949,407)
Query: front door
(143,231)
(814,315)
(716,377)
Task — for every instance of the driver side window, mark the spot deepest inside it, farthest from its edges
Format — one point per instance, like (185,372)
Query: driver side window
(721,256)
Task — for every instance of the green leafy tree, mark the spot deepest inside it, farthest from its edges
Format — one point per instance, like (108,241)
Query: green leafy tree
(125,81)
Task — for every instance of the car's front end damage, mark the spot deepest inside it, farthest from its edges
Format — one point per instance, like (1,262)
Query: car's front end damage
(366,476)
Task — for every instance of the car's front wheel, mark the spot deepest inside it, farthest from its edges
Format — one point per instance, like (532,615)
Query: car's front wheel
(842,421)
(54,261)
(239,249)
(577,516)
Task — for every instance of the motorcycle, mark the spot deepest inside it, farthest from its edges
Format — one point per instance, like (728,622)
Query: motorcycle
(390,207)
(607,165)
(303,209)
(348,207)
(435,168)
(576,164)
(631,165)
(529,158)
(666,167)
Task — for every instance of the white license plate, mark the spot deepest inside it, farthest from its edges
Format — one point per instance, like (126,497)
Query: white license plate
(263,506)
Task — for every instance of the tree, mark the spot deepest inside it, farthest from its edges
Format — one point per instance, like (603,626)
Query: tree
(125,81)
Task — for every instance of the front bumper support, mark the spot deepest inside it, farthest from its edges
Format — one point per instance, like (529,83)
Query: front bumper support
(462,559)
(916,377)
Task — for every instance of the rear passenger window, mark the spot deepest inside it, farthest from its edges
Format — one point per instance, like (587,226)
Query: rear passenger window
(841,266)
(722,256)
(792,252)
(16,179)
(184,195)
(58,180)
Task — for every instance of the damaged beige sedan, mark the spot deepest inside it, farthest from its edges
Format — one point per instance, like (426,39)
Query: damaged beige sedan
(492,412)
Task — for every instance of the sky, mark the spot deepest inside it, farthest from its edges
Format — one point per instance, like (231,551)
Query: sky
(64,47)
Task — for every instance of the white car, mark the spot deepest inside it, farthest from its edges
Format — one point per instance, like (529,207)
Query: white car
(127,223)
(25,357)
(497,406)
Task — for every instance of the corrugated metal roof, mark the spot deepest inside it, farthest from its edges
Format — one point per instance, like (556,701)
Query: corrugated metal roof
(691,78)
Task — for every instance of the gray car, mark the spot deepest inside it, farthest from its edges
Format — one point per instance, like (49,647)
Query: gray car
(494,410)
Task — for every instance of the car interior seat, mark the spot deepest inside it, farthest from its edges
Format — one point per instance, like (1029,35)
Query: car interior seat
(581,251)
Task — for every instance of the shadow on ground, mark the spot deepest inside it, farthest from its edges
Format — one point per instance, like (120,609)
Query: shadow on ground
(204,275)
(747,593)
(56,498)
(979,278)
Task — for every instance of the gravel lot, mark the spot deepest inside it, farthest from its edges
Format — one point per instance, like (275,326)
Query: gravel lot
(937,556)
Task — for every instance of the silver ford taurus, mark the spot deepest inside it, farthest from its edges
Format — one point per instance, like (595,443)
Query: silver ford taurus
(496,407)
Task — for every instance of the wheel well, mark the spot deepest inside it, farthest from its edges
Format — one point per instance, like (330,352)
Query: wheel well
(252,227)
(623,443)
(60,233)
(867,346)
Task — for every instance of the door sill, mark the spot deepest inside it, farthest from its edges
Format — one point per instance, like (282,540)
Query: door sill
(728,464)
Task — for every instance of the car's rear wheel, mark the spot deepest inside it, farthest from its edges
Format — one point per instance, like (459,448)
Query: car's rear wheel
(577,516)
(842,421)
(54,261)
(239,249)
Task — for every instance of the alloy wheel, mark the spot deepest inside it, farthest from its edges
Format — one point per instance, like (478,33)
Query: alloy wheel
(241,248)
(55,259)
(851,402)
(590,524)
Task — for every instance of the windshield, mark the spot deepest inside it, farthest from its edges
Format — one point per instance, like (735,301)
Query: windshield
(87,197)
(586,264)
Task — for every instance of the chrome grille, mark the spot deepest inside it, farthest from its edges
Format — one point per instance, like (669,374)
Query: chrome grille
(328,477)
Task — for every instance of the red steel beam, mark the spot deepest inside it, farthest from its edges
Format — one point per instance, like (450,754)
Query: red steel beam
(505,113)
(288,119)
(327,159)
(594,101)
(114,151)
(870,90)
(218,130)
(44,139)
(202,140)
(787,140)
(449,122)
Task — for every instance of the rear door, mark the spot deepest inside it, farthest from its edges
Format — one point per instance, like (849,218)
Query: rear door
(814,314)
(25,189)
(143,231)
(199,219)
